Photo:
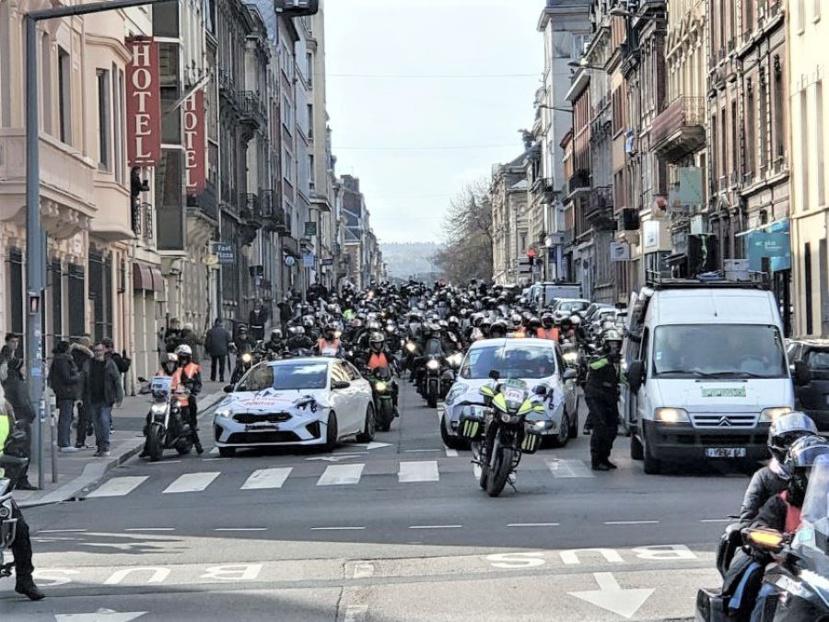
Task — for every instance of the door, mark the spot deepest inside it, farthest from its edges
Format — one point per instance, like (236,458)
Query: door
(360,394)
(340,397)
(639,403)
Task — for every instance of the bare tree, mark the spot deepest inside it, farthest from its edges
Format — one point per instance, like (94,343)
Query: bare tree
(467,249)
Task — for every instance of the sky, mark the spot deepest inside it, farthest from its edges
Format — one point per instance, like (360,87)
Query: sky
(424,97)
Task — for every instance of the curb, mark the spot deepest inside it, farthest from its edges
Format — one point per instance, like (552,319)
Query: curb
(93,473)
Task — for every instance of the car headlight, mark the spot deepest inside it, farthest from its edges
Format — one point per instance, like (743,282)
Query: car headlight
(158,409)
(246,357)
(671,415)
(223,413)
(433,364)
(410,347)
(768,415)
(571,357)
(381,387)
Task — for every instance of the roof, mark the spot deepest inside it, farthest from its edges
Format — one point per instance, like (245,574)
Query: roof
(303,359)
(514,343)
(714,306)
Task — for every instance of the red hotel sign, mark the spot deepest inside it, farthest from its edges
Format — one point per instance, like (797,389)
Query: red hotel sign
(143,103)
(194,143)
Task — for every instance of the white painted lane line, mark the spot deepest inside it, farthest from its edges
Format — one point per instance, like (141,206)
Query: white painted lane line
(213,459)
(631,522)
(534,525)
(118,486)
(435,526)
(62,530)
(363,570)
(567,469)
(337,528)
(426,471)
(151,529)
(717,520)
(192,482)
(419,451)
(451,453)
(341,474)
(241,529)
(267,478)
(163,462)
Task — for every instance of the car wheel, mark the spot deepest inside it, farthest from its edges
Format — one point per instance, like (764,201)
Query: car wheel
(227,452)
(367,435)
(563,436)
(574,423)
(652,465)
(451,442)
(331,433)
(637,452)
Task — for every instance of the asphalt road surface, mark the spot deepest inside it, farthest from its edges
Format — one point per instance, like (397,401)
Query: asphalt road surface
(397,530)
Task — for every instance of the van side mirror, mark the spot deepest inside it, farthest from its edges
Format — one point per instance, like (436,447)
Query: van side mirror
(540,390)
(494,374)
(802,375)
(636,375)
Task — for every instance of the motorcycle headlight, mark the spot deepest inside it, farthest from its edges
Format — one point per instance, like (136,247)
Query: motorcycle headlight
(381,387)
(246,357)
(671,415)
(410,347)
(158,409)
(433,364)
(571,358)
(768,415)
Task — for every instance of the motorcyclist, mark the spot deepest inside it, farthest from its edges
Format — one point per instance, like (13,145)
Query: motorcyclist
(275,345)
(329,343)
(12,449)
(298,340)
(548,329)
(188,374)
(601,392)
(498,330)
(380,359)
(168,367)
(430,346)
(533,327)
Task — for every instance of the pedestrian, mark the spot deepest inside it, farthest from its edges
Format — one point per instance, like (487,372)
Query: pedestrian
(101,390)
(172,335)
(81,352)
(8,352)
(257,319)
(286,313)
(121,360)
(64,378)
(217,344)
(188,337)
(601,392)
(17,394)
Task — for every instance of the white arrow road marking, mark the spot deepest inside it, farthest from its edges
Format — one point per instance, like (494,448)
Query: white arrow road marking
(267,478)
(613,598)
(373,445)
(102,615)
(333,458)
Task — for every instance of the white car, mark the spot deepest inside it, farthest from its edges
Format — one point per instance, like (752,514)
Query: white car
(536,362)
(313,401)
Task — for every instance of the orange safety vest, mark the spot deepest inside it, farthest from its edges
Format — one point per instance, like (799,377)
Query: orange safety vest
(188,371)
(377,361)
(792,514)
(326,348)
(550,334)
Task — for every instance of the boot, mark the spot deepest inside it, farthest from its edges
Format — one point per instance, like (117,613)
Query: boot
(25,484)
(610,465)
(199,448)
(25,585)
(600,466)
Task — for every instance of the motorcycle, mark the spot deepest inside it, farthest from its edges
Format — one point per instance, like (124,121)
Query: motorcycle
(14,465)
(509,424)
(431,383)
(800,565)
(166,428)
(381,391)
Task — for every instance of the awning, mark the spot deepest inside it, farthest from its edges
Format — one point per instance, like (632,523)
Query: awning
(158,280)
(146,278)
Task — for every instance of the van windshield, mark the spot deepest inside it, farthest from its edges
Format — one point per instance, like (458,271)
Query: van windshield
(719,351)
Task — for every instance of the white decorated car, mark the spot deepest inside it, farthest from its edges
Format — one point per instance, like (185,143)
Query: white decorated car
(311,401)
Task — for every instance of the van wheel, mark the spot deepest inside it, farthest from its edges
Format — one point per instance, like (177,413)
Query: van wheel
(652,465)
(636,450)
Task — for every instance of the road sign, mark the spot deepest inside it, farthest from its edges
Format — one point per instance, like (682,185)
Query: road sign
(310,229)
(619,251)
(328,261)
(224,252)
(525,265)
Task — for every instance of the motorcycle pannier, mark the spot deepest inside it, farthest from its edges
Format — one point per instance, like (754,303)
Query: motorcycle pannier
(471,424)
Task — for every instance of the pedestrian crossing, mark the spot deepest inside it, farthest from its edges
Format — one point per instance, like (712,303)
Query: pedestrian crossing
(406,471)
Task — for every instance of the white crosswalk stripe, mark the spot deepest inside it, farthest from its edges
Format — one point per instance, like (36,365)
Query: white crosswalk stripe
(266,478)
(341,474)
(192,482)
(118,487)
(567,469)
(426,471)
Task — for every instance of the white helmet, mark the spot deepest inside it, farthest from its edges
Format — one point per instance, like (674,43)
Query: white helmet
(184,350)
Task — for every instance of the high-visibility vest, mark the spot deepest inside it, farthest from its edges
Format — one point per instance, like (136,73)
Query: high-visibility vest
(378,361)
(5,430)
(550,334)
(328,348)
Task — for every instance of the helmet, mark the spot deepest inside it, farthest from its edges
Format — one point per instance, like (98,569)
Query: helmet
(575,320)
(785,430)
(296,330)
(799,462)
(566,323)
(276,334)
(454,322)
(169,362)
(498,329)
(184,350)
(308,321)
(547,320)
(612,335)
(330,331)
(376,341)
(534,323)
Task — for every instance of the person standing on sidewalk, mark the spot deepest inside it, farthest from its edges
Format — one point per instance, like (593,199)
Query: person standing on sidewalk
(64,379)
(81,352)
(101,389)
(217,343)
(256,320)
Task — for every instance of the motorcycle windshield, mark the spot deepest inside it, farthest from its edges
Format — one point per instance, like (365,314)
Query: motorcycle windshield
(161,386)
(811,543)
(515,393)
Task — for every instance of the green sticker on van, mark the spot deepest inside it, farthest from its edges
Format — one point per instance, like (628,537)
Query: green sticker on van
(726,392)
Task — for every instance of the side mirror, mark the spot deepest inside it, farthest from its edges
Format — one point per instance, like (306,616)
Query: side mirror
(636,375)
(802,375)
(570,374)
(540,390)
(494,374)
(338,385)
(142,379)
(228,388)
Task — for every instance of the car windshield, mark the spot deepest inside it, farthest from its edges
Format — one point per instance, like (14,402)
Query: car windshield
(511,362)
(571,307)
(719,351)
(286,377)
(818,360)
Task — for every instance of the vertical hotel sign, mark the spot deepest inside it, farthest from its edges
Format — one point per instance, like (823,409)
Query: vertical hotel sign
(143,103)
(194,143)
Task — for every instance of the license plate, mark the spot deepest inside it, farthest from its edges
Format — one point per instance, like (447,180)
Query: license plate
(261,427)
(725,452)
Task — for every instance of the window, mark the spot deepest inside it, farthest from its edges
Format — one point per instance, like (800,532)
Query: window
(310,120)
(165,19)
(309,67)
(286,113)
(751,120)
(287,167)
(64,96)
(804,150)
(715,163)
(779,110)
(104,120)
(820,161)
(807,278)
(312,180)
(801,15)
(735,145)
(118,116)
(723,145)
(5,68)
(46,82)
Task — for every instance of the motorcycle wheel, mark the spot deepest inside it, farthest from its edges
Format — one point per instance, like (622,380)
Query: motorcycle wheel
(155,443)
(386,412)
(482,480)
(500,473)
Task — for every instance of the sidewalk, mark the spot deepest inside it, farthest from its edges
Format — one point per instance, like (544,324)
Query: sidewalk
(80,470)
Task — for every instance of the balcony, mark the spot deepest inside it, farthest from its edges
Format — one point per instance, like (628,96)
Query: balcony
(679,130)
(142,222)
(598,211)
(205,203)
(251,211)
(578,182)
(252,111)
(273,214)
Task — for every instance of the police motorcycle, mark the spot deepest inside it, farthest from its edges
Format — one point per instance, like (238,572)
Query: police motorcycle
(166,428)
(509,423)
(13,462)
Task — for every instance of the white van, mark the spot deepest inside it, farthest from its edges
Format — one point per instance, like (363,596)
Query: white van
(706,372)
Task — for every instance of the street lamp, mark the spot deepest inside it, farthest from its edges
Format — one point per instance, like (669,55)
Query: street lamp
(583,64)
(557,108)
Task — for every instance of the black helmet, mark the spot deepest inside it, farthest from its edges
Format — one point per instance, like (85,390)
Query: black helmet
(547,320)
(534,323)
(330,331)
(498,329)
(799,462)
(785,430)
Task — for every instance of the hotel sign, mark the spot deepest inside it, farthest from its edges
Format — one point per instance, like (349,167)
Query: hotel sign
(143,103)
(194,143)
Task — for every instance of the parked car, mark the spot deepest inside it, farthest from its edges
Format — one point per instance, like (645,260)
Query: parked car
(812,397)
(535,361)
(568,306)
(315,401)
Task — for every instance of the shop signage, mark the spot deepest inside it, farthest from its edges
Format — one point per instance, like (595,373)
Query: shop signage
(224,252)
(308,260)
(310,229)
(619,251)
(194,143)
(143,103)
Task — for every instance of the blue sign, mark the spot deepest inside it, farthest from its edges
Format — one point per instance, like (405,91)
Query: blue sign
(775,244)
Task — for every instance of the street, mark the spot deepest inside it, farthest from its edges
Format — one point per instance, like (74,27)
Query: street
(394,530)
